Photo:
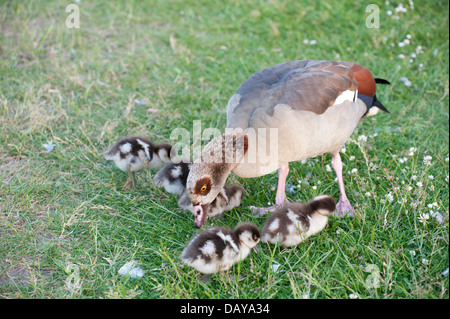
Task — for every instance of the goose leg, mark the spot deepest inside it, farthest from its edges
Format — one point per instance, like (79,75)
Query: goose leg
(132,178)
(280,198)
(343,207)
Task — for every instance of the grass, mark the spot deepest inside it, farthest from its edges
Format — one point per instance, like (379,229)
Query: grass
(64,215)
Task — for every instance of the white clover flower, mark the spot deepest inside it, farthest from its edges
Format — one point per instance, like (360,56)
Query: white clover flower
(312,42)
(354,171)
(427,160)
(438,216)
(389,197)
(423,217)
(389,12)
(412,252)
(405,81)
(352,158)
(430,176)
(328,168)
(362,138)
(367,194)
(49,146)
(353,296)
(425,261)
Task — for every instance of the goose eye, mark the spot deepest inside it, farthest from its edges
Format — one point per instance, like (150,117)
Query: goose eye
(203,188)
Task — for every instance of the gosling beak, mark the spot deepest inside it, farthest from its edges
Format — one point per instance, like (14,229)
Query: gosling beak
(200,214)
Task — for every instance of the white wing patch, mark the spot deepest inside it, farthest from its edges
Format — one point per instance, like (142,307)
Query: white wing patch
(125,148)
(347,95)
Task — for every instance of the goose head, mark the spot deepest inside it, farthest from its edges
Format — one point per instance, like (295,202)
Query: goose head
(209,172)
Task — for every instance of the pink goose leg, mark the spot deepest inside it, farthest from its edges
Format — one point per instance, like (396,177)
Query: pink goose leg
(343,208)
(280,198)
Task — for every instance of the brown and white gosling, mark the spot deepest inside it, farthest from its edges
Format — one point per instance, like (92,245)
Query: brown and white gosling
(173,177)
(228,198)
(217,249)
(295,222)
(135,153)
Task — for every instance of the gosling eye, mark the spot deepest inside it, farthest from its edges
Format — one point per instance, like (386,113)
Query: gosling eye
(203,188)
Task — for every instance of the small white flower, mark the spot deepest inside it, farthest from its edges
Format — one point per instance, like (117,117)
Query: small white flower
(419,49)
(49,146)
(427,160)
(352,158)
(400,8)
(405,81)
(423,217)
(389,197)
(354,171)
(362,138)
(312,42)
(425,261)
(446,179)
(275,267)
(401,56)
(438,216)
(408,36)
(353,296)
(328,168)
(343,149)
(367,194)
(401,44)
(430,176)
(306,41)
(412,252)
(414,177)
(445,273)
(389,12)
(419,184)
(314,187)
(139,102)
(305,296)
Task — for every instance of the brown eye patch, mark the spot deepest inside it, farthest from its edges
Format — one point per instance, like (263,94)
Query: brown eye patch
(202,186)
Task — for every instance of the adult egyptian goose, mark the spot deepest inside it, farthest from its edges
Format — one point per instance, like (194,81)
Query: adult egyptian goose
(228,198)
(293,223)
(292,111)
(217,249)
(173,177)
(135,153)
